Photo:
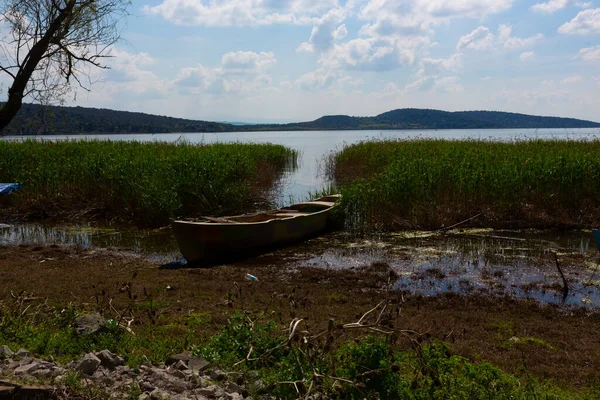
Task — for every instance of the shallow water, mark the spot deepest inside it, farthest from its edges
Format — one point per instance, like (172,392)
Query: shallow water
(519,264)
(505,263)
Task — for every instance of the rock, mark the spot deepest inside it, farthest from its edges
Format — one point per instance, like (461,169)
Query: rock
(180,365)
(147,386)
(198,364)
(178,374)
(22,353)
(144,396)
(235,388)
(89,323)
(185,356)
(210,391)
(5,352)
(43,373)
(217,375)
(88,364)
(234,396)
(27,369)
(158,394)
(109,360)
(160,378)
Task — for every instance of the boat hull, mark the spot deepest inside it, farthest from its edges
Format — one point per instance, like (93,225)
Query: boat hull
(207,242)
(596,233)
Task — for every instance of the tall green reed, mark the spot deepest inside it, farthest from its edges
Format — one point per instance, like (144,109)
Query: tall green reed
(432,183)
(148,183)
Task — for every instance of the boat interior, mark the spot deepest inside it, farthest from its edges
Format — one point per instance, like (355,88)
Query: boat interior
(295,210)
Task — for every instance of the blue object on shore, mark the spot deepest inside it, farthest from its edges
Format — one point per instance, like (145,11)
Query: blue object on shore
(596,233)
(8,188)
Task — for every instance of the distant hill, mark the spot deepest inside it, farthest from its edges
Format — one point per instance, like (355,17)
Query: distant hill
(33,119)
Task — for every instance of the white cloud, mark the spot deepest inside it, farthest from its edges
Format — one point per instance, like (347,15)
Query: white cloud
(393,17)
(428,77)
(527,56)
(319,79)
(511,42)
(240,71)
(247,61)
(552,6)
(597,79)
(589,53)
(480,39)
(584,23)
(325,31)
(340,33)
(375,54)
(571,80)
(240,12)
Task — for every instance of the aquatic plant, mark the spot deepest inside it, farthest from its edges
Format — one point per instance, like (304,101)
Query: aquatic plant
(148,183)
(436,183)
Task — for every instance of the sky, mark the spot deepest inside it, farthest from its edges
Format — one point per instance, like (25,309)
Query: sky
(297,60)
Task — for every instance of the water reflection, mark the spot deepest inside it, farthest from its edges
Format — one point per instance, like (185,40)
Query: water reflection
(148,242)
(503,263)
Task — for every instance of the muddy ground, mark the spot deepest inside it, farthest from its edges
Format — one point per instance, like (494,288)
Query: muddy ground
(477,326)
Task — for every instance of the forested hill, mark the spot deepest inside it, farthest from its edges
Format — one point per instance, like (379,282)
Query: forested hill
(413,118)
(33,119)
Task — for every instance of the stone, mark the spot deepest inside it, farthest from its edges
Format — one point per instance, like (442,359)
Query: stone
(180,365)
(146,386)
(89,323)
(109,360)
(144,396)
(22,353)
(234,396)
(27,369)
(198,364)
(178,374)
(210,391)
(88,364)
(5,352)
(43,373)
(185,356)
(235,388)
(217,375)
(158,394)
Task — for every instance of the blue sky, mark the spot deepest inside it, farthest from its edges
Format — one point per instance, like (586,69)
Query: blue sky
(294,60)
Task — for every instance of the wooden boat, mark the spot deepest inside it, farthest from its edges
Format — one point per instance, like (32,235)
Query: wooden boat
(210,239)
(596,233)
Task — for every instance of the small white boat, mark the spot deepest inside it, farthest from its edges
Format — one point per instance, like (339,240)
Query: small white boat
(210,239)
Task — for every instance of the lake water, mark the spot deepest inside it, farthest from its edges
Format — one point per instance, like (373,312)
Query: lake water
(313,146)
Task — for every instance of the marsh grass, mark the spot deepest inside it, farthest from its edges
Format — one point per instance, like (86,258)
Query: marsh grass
(435,183)
(148,183)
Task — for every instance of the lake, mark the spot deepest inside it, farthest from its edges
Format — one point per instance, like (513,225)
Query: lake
(314,145)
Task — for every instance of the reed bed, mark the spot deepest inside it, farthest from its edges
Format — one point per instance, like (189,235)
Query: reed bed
(437,183)
(148,183)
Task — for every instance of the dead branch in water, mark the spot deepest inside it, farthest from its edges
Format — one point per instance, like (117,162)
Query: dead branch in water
(565,283)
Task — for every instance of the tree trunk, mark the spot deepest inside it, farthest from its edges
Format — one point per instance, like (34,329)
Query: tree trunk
(35,55)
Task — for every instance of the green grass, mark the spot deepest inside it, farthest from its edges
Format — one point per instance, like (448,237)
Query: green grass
(368,366)
(148,183)
(435,183)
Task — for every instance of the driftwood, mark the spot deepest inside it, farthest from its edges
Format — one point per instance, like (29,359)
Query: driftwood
(565,283)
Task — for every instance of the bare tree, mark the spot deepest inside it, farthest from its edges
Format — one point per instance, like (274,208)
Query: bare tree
(51,45)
